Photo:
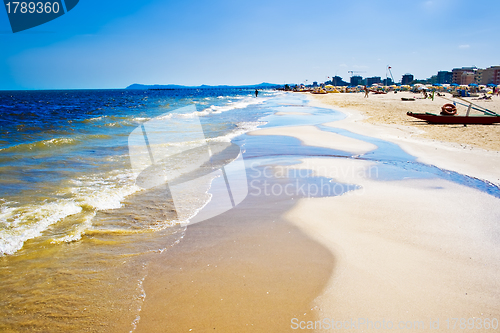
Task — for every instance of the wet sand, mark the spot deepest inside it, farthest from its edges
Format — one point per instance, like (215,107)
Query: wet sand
(408,250)
(247,270)
(312,136)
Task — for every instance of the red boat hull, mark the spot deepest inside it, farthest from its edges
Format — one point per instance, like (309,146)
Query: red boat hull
(440,119)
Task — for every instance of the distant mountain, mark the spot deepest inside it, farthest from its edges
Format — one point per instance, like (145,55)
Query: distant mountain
(263,85)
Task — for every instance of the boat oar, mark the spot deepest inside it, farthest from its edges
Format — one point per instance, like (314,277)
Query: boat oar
(479,106)
(483,110)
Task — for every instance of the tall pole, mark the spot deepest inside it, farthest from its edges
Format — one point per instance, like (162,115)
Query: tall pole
(390,72)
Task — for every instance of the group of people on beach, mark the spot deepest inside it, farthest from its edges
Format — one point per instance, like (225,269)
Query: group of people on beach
(430,95)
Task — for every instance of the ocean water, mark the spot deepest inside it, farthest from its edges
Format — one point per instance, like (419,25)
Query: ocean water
(77,231)
(73,221)
(64,154)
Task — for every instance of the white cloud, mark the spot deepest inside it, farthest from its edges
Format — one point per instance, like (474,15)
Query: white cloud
(464,46)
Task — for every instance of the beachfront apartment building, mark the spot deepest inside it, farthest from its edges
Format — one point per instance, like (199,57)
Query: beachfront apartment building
(489,75)
(356,80)
(387,82)
(464,75)
(406,79)
(444,77)
(468,78)
(372,80)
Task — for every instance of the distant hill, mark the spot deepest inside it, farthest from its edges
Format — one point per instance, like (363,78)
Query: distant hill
(263,85)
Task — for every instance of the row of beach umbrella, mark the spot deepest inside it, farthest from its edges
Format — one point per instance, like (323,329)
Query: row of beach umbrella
(417,86)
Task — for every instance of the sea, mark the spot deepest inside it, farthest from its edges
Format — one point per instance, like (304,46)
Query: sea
(77,228)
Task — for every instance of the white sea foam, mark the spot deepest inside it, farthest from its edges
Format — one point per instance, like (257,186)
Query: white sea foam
(103,193)
(242,102)
(236,105)
(216,109)
(242,128)
(141,119)
(97,192)
(24,223)
(165,116)
(193,114)
(19,224)
(78,232)
(95,119)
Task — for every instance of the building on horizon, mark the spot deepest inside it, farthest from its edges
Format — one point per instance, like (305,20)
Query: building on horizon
(469,77)
(460,76)
(490,75)
(372,80)
(464,75)
(338,81)
(406,79)
(356,80)
(387,82)
(444,77)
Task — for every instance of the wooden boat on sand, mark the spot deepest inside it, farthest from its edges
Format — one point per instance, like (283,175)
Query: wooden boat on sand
(461,120)
(448,115)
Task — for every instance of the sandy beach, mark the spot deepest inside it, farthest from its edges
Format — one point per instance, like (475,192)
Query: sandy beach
(389,109)
(405,252)
(472,150)
(409,251)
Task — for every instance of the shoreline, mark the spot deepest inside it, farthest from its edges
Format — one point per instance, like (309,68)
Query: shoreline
(247,270)
(472,161)
(390,249)
(399,244)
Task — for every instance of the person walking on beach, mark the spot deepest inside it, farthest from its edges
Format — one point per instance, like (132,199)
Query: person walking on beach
(366,91)
(256,92)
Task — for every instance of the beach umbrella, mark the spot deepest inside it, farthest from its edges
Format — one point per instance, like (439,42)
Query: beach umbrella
(473,84)
(454,85)
(437,84)
(491,85)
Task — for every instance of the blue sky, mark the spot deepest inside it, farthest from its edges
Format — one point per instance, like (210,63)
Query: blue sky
(112,44)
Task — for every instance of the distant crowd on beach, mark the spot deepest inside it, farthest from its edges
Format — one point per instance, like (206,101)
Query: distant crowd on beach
(428,91)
